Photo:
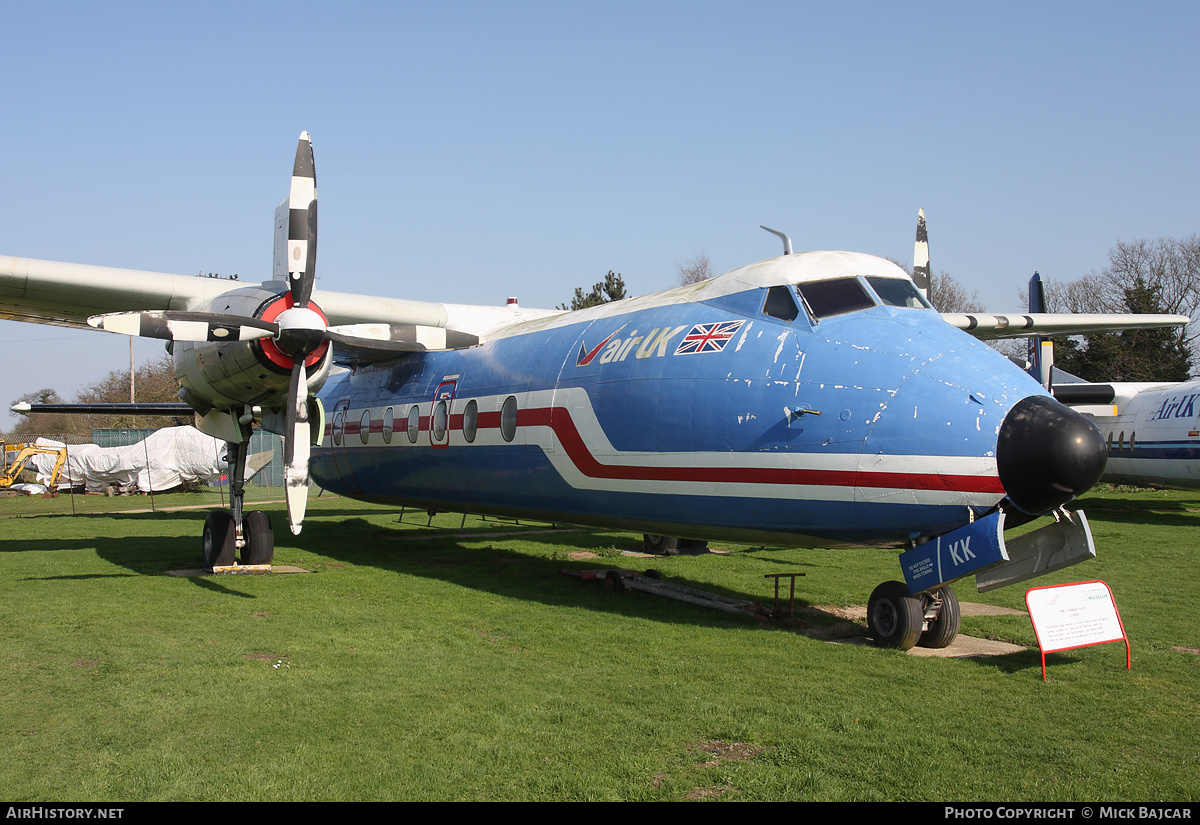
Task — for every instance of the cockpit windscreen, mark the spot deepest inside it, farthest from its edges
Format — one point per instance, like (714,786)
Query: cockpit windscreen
(835,297)
(898,292)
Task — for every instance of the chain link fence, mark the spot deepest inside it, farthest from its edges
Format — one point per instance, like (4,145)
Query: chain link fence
(22,495)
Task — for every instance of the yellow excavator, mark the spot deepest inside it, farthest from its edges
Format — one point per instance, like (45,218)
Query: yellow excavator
(23,452)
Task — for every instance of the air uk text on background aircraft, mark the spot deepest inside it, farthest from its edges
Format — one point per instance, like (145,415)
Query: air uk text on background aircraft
(809,399)
(1151,428)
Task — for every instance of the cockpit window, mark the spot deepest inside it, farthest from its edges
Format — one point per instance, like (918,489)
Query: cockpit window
(834,297)
(780,304)
(897,292)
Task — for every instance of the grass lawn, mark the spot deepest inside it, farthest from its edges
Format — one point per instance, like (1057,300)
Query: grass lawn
(450,662)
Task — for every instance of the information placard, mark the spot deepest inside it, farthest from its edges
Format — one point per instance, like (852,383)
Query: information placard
(1067,616)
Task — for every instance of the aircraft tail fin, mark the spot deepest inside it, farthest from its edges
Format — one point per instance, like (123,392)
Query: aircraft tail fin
(1041,350)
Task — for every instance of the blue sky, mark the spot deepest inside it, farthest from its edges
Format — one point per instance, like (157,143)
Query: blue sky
(471,151)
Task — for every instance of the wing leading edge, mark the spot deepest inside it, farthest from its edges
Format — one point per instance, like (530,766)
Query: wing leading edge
(67,294)
(987,326)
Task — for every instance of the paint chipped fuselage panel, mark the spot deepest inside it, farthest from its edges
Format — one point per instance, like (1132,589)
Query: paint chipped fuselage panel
(700,413)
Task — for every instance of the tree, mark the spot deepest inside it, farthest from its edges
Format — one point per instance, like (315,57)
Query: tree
(945,293)
(155,382)
(1161,276)
(948,295)
(695,270)
(1133,355)
(612,288)
(42,423)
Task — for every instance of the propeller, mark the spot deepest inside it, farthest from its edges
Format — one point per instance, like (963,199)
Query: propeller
(922,274)
(301,330)
(297,332)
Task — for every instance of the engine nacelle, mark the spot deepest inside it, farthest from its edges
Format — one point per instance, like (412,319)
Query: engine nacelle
(236,374)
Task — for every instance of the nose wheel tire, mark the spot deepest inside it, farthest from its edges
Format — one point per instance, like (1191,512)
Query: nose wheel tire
(943,627)
(894,616)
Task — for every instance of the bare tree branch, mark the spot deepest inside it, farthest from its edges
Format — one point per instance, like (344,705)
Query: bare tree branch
(695,270)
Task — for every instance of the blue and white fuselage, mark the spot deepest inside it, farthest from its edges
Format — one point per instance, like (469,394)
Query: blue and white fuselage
(1152,431)
(811,398)
(807,399)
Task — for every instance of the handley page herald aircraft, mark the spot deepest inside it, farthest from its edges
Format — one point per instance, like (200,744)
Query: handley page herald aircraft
(1151,429)
(810,399)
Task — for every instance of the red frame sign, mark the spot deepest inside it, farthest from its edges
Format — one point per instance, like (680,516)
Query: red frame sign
(1079,614)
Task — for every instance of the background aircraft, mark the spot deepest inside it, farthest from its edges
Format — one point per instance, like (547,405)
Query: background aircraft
(807,399)
(1152,429)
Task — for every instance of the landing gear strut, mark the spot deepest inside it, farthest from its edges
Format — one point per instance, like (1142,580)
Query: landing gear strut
(227,532)
(942,627)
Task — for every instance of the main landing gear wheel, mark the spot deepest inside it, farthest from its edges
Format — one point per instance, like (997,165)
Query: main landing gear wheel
(943,627)
(259,547)
(894,616)
(218,539)
(671,546)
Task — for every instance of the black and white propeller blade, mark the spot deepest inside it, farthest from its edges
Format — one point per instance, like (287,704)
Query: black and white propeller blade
(922,275)
(302,223)
(301,330)
(296,447)
(185,326)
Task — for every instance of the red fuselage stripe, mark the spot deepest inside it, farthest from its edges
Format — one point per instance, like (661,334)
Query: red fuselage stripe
(559,420)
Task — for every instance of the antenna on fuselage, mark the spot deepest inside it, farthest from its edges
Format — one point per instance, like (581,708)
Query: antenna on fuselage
(787,242)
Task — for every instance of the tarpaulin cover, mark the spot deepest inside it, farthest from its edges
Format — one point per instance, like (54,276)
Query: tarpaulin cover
(166,459)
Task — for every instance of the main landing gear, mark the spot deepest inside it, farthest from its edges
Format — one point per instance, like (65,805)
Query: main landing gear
(899,620)
(671,546)
(228,531)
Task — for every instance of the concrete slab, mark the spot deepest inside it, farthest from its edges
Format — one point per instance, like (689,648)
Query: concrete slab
(198,571)
(851,629)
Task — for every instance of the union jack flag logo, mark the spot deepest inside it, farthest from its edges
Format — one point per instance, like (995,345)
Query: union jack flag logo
(708,337)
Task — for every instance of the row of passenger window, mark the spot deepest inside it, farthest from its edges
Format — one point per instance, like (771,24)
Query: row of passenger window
(1121,440)
(439,423)
(838,296)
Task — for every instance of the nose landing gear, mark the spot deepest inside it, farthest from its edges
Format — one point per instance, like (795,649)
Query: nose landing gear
(899,620)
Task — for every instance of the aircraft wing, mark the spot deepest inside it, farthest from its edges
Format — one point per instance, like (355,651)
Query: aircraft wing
(985,326)
(51,292)
(67,294)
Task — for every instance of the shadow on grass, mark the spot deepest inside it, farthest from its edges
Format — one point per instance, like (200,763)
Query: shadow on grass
(151,544)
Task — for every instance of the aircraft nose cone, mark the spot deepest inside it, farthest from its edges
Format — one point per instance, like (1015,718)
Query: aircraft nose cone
(1047,454)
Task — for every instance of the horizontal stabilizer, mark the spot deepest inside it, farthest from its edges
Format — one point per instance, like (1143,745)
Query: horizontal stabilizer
(165,408)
